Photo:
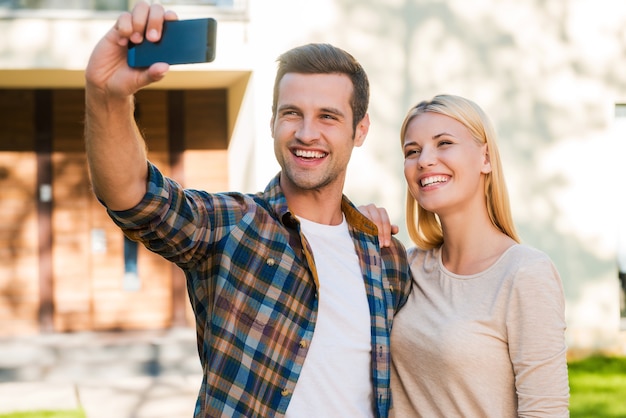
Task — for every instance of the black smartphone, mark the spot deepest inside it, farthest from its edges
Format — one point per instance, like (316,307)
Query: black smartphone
(182,42)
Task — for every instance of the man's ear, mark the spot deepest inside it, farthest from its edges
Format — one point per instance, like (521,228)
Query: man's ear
(361,130)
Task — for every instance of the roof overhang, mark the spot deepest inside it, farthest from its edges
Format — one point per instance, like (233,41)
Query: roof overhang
(175,79)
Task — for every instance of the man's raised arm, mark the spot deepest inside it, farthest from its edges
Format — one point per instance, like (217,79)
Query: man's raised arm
(116,151)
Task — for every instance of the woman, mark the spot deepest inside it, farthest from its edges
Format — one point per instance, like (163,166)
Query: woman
(482,334)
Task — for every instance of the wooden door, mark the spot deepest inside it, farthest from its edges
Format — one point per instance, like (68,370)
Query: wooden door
(19,277)
(91,290)
(63,264)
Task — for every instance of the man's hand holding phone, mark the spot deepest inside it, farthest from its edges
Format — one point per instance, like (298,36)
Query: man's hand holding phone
(108,71)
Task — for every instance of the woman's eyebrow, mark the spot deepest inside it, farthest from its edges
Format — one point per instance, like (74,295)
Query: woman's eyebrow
(442,134)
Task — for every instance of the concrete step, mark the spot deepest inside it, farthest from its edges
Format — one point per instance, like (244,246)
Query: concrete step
(85,356)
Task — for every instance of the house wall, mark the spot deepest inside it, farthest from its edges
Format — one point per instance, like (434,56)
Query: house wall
(548,73)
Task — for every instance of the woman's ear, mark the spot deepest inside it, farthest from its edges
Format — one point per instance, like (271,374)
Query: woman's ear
(486,161)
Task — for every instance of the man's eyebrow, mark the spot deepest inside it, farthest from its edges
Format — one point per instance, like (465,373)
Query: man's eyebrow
(332,110)
(288,106)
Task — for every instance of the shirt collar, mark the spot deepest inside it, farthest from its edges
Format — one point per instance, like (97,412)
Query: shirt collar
(275,198)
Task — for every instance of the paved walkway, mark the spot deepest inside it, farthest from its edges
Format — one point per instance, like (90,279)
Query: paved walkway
(154,374)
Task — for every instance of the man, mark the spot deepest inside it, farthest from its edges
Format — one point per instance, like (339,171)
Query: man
(292,293)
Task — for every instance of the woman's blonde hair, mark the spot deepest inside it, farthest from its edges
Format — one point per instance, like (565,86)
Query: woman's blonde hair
(423,226)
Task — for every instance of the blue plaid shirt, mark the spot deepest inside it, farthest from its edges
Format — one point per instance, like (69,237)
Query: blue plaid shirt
(252,285)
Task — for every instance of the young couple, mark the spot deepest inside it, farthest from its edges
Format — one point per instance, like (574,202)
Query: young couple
(294,294)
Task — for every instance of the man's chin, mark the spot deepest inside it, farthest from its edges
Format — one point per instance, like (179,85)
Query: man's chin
(307,182)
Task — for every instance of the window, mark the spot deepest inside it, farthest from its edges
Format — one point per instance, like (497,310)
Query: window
(234,9)
(219,9)
(131,273)
(620,125)
(101,5)
(219,3)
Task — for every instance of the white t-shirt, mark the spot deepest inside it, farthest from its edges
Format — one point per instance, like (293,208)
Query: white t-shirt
(336,379)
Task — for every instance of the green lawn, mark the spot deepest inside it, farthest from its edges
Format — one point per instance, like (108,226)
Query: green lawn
(598,387)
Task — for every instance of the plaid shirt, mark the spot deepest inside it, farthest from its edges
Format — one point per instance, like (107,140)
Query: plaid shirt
(252,285)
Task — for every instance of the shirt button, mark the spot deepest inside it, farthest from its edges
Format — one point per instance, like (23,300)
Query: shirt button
(285,392)
(270,262)
(303,344)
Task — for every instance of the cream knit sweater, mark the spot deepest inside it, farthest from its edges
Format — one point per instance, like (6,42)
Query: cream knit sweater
(486,345)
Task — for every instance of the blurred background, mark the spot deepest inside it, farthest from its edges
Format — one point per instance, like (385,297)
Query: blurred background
(551,74)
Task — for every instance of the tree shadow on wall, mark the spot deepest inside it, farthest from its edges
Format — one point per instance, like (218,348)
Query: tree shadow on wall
(416,49)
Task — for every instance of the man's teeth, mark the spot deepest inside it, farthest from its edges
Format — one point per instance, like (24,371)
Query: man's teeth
(432,180)
(309,154)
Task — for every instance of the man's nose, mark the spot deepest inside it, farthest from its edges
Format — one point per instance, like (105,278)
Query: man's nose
(307,130)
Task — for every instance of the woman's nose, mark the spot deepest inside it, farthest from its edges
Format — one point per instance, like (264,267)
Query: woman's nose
(427,157)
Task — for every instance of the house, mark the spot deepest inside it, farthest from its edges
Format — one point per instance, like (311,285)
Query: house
(550,74)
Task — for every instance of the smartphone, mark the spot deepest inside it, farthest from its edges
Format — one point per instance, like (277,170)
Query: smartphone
(182,42)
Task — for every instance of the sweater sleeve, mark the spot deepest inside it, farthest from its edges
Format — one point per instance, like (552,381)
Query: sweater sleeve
(536,335)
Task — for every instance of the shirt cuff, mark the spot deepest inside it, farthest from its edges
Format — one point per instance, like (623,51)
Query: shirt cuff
(150,206)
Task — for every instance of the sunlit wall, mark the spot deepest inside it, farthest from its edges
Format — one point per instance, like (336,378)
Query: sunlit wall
(548,73)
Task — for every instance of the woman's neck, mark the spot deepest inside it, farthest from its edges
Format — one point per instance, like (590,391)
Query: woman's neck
(472,246)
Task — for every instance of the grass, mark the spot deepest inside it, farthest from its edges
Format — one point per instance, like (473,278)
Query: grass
(598,387)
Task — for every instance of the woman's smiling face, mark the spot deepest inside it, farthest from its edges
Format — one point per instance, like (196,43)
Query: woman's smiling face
(444,164)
